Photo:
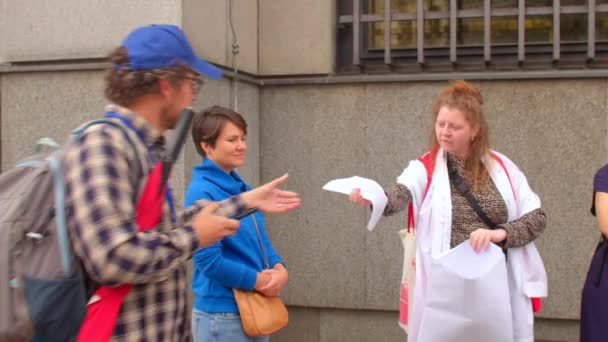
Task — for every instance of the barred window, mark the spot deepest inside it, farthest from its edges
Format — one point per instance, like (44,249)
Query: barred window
(471,35)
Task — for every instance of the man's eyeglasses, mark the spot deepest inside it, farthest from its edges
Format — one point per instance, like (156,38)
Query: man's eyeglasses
(197,83)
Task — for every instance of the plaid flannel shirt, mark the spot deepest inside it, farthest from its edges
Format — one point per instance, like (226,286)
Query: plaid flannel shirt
(103,181)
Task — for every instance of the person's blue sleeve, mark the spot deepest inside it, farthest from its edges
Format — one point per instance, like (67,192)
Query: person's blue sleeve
(273,257)
(209,259)
(229,273)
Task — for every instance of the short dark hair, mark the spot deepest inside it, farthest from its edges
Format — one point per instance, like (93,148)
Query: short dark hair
(123,84)
(208,124)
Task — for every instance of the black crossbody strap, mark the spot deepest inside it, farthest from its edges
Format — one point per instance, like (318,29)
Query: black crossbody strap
(464,190)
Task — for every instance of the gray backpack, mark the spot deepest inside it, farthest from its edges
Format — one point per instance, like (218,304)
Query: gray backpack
(42,289)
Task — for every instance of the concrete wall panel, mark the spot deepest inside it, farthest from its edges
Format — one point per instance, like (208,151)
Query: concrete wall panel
(296,37)
(314,134)
(304,326)
(46,104)
(58,29)
(208,27)
(360,326)
(398,119)
(555,132)
(3,38)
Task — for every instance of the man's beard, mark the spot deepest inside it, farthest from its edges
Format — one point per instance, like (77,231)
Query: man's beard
(167,120)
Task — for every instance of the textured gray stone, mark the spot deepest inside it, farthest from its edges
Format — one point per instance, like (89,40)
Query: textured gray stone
(398,124)
(58,29)
(313,132)
(208,36)
(554,131)
(290,31)
(360,326)
(3,38)
(556,330)
(304,326)
(207,26)
(36,105)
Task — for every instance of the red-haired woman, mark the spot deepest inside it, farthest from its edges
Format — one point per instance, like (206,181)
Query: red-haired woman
(459,152)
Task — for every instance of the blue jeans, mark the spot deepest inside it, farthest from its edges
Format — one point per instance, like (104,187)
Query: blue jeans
(220,327)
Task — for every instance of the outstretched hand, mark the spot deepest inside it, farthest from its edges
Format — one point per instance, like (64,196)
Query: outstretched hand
(269,198)
(355,197)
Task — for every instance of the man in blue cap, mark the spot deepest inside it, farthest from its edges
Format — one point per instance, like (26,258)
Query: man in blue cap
(153,76)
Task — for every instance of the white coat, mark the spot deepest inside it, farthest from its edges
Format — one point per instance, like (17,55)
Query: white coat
(433,215)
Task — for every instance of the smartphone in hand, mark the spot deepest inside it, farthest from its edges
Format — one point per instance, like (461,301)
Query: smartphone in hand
(244,213)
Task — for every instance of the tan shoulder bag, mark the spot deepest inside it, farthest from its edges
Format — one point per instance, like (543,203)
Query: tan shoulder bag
(260,315)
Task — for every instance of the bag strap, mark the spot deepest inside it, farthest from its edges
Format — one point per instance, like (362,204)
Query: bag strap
(46,141)
(257,230)
(78,132)
(59,189)
(464,190)
(428,160)
(128,124)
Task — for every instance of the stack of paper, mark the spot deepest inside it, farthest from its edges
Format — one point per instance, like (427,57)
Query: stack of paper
(370,190)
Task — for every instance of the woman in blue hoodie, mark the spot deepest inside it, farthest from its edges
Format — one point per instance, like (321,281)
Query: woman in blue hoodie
(238,261)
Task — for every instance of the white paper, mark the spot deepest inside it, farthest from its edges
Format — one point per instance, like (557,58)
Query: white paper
(468,297)
(370,190)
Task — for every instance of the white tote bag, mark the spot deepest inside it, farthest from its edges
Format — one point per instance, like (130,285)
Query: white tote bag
(408,278)
(468,297)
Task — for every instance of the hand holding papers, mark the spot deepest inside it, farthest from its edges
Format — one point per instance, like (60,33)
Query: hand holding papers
(370,190)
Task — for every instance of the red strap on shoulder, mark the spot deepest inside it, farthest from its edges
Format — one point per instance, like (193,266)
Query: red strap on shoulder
(428,160)
(502,164)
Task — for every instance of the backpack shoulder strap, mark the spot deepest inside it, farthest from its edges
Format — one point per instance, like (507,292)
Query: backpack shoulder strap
(59,191)
(76,133)
(80,130)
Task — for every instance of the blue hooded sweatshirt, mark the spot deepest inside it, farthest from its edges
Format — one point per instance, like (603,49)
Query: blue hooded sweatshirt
(234,261)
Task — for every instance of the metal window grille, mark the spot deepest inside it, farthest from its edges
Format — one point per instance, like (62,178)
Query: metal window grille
(529,49)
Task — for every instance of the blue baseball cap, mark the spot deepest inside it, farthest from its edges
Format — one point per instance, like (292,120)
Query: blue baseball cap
(162,46)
